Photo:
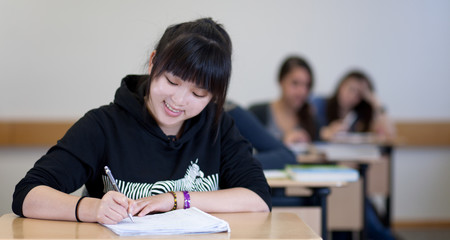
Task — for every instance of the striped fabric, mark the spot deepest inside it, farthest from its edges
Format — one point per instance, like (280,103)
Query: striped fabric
(194,181)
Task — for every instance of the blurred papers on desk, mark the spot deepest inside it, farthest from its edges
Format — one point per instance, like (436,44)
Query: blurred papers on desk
(322,173)
(355,138)
(314,173)
(275,174)
(299,148)
(182,221)
(349,152)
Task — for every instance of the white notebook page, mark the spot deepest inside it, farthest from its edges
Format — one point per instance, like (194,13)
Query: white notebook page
(182,221)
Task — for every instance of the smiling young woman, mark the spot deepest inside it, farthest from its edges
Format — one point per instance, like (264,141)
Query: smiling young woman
(164,137)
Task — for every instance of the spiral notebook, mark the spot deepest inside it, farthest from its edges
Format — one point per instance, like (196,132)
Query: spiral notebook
(182,221)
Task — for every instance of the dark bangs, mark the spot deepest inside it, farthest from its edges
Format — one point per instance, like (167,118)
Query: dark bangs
(199,60)
(293,62)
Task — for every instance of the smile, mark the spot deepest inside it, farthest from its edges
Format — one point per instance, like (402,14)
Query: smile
(171,109)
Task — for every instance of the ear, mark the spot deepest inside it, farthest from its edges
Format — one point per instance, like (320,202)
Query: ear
(150,62)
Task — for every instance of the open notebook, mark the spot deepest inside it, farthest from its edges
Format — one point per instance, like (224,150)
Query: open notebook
(182,221)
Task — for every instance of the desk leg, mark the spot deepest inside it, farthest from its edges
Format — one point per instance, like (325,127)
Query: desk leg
(387,151)
(362,171)
(320,196)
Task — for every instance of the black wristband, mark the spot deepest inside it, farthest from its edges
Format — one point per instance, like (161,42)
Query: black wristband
(76,208)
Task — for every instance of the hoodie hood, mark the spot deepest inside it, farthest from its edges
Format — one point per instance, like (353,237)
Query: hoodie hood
(131,98)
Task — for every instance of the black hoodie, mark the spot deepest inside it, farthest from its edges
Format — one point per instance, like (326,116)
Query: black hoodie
(144,161)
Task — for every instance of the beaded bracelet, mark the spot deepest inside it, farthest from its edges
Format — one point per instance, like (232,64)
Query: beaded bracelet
(76,208)
(187,200)
(174,200)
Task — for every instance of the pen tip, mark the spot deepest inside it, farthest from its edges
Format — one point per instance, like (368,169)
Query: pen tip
(131,217)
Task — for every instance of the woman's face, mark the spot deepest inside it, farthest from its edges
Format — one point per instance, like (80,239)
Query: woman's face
(172,101)
(295,87)
(350,93)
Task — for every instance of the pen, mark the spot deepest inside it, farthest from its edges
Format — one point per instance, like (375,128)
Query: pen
(113,182)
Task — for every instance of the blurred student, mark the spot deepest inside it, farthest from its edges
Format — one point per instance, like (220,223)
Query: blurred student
(290,118)
(271,153)
(353,107)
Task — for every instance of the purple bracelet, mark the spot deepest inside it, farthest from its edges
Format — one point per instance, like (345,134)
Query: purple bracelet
(187,200)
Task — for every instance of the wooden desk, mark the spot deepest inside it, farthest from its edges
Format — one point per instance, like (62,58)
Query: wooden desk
(361,154)
(384,168)
(243,226)
(320,192)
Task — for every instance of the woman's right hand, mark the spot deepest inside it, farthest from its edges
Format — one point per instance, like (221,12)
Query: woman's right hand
(113,208)
(329,132)
(296,136)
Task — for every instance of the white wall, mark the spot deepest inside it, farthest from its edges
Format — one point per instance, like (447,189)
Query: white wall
(421,184)
(14,162)
(59,59)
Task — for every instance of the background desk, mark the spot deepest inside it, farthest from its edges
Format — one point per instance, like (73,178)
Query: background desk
(243,226)
(361,155)
(319,198)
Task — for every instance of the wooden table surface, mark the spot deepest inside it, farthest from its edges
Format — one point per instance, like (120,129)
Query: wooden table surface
(243,226)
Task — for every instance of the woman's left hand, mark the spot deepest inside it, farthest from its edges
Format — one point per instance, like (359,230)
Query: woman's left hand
(158,203)
(296,136)
(369,95)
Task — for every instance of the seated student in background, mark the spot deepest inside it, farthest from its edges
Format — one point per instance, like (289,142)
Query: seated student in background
(353,107)
(271,153)
(290,118)
(164,138)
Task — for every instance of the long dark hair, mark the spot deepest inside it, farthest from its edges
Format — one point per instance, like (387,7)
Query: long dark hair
(305,113)
(363,109)
(198,52)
